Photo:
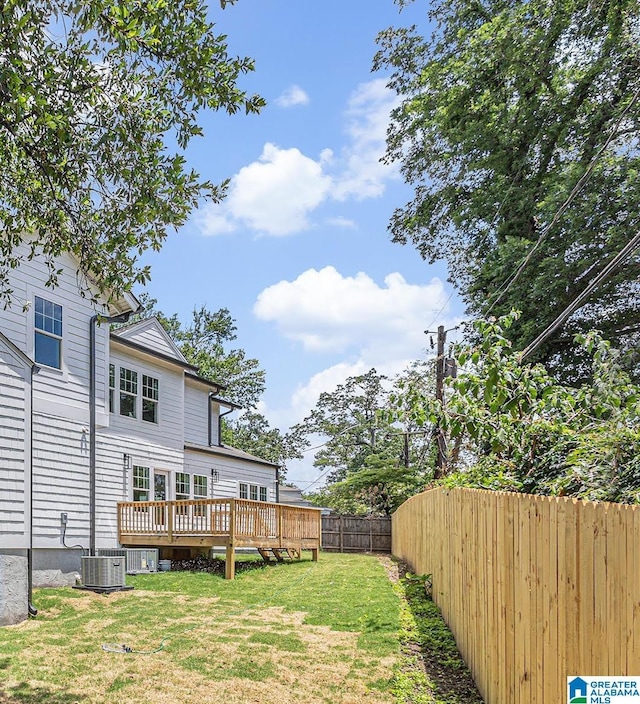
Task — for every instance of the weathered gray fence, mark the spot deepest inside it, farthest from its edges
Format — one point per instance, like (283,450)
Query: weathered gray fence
(356,534)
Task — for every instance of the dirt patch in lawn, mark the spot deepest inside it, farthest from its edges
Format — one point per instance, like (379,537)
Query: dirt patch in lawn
(267,655)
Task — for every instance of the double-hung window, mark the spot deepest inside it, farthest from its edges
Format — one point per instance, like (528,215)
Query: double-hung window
(141,483)
(200,488)
(48,333)
(128,392)
(149,399)
(200,491)
(183,491)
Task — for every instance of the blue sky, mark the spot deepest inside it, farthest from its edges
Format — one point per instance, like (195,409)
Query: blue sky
(299,252)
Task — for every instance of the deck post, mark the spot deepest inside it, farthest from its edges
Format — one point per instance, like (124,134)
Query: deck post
(170,521)
(230,559)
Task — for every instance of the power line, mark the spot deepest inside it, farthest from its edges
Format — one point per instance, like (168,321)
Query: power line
(574,192)
(628,249)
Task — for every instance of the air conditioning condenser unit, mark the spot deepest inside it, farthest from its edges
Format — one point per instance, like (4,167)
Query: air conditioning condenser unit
(103,572)
(138,560)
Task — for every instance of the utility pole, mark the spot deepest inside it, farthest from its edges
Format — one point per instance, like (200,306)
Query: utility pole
(442,370)
(441,458)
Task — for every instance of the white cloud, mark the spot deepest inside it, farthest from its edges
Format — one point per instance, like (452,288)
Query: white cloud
(278,193)
(273,195)
(353,317)
(328,312)
(340,221)
(292,96)
(368,112)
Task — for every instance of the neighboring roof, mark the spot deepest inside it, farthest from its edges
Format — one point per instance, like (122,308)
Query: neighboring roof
(224,451)
(17,352)
(150,333)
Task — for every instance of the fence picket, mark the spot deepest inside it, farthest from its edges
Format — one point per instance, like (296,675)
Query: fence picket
(534,589)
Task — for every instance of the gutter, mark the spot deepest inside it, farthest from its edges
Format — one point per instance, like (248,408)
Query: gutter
(220,416)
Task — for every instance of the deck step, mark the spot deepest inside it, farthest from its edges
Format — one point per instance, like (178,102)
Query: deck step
(279,554)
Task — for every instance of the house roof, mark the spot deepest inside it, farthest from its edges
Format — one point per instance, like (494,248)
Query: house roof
(224,451)
(17,352)
(151,352)
(196,378)
(150,333)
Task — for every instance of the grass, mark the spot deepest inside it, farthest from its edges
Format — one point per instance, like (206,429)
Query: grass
(303,632)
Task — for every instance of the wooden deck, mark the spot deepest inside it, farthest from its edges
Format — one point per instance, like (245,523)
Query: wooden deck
(232,523)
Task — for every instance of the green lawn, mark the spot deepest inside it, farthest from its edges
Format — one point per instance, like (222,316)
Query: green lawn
(328,631)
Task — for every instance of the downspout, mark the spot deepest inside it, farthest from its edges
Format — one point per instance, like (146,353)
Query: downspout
(31,610)
(220,416)
(121,318)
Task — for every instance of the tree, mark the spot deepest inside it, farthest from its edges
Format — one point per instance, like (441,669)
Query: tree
(372,465)
(519,130)
(517,429)
(252,433)
(91,94)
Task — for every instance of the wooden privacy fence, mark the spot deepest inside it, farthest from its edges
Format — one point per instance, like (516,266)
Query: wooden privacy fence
(356,534)
(534,589)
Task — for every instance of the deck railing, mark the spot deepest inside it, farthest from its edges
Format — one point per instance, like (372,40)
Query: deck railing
(228,518)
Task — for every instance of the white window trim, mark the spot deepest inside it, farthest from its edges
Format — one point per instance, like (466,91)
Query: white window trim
(140,371)
(51,296)
(257,486)
(193,486)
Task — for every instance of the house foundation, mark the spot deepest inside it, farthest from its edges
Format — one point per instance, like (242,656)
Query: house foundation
(14,587)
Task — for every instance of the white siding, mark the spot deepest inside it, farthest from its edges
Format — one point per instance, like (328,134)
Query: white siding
(62,392)
(231,471)
(196,416)
(14,451)
(60,481)
(115,481)
(169,431)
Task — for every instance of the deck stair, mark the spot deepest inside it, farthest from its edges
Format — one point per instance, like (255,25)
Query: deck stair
(279,554)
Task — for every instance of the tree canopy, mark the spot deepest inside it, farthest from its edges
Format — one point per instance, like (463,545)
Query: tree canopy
(519,128)
(372,465)
(510,426)
(91,95)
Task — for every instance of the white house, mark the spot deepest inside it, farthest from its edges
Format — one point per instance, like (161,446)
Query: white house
(90,417)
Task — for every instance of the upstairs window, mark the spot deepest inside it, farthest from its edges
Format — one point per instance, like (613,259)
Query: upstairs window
(244,491)
(263,493)
(149,399)
(48,333)
(128,392)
